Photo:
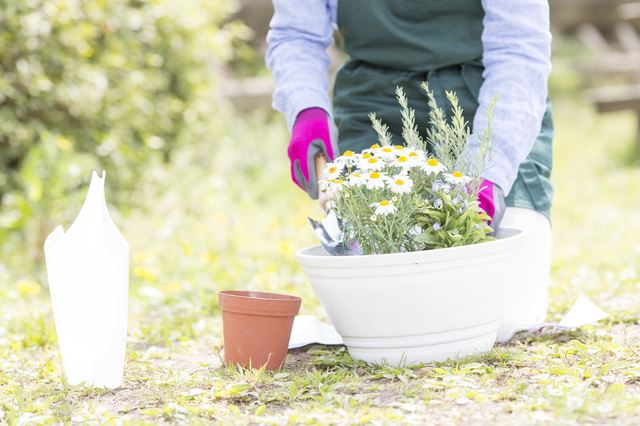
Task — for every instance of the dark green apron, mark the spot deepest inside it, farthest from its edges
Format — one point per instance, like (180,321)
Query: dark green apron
(404,42)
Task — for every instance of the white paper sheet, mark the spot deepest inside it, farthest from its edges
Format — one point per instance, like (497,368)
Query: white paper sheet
(308,330)
(583,312)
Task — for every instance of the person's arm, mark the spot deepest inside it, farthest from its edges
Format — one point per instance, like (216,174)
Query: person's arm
(517,60)
(300,33)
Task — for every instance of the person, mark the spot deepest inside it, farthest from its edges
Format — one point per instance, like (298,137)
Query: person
(477,48)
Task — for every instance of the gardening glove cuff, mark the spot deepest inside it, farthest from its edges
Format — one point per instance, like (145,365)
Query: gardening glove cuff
(313,135)
(491,199)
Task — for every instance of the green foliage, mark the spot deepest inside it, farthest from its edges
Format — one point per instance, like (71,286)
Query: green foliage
(447,141)
(378,234)
(450,141)
(393,199)
(449,226)
(101,84)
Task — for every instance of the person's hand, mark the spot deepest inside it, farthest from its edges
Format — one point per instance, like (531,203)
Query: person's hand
(491,199)
(326,199)
(310,139)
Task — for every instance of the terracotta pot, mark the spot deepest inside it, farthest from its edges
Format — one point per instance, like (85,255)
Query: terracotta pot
(257,327)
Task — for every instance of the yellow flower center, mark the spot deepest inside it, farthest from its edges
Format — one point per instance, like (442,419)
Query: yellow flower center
(456,174)
(356,175)
(398,147)
(348,154)
(372,160)
(387,149)
(384,203)
(432,162)
(338,181)
(333,169)
(374,175)
(413,154)
(399,182)
(366,155)
(375,146)
(402,159)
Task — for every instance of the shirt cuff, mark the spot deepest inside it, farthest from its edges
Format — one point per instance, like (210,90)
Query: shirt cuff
(500,172)
(301,100)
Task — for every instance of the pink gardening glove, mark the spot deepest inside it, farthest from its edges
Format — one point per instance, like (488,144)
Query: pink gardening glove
(310,137)
(491,200)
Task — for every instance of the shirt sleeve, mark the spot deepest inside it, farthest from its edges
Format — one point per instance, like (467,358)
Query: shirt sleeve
(299,35)
(517,59)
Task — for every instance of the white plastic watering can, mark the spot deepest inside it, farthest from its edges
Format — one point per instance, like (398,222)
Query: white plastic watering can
(88,271)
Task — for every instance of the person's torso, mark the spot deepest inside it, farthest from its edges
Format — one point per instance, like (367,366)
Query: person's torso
(416,35)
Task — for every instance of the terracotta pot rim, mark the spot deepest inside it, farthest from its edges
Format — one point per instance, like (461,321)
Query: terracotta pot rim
(263,295)
(259,303)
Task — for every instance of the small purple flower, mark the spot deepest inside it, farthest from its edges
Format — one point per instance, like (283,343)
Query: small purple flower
(437,185)
(437,226)
(438,203)
(457,199)
(446,188)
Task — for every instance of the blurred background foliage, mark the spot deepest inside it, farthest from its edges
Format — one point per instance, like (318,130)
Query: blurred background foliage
(172,99)
(95,84)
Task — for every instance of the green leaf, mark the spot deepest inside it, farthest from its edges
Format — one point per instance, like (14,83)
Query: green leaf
(615,389)
(238,388)
(426,237)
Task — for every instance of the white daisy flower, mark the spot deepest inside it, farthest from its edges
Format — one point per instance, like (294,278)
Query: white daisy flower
(403,162)
(332,171)
(357,179)
(415,155)
(332,185)
(399,150)
(400,184)
(372,149)
(371,163)
(386,153)
(457,178)
(347,158)
(384,208)
(375,180)
(431,166)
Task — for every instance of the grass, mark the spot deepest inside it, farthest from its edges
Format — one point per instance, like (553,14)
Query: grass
(226,217)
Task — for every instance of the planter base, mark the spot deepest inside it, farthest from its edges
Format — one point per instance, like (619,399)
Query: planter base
(407,350)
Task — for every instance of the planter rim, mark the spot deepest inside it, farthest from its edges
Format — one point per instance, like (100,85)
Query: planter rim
(510,238)
(259,303)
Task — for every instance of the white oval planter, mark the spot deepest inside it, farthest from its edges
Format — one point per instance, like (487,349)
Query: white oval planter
(417,307)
